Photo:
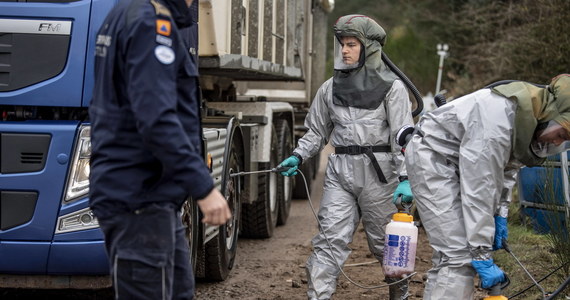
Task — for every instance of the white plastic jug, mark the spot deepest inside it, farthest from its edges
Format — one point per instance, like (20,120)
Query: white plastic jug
(400,246)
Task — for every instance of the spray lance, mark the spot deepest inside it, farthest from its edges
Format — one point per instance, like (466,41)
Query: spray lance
(508,249)
(495,292)
(277,169)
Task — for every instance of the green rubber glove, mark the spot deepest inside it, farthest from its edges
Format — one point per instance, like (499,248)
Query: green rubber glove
(292,162)
(405,191)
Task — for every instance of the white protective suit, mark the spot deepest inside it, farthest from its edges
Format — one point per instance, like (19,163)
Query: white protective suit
(352,189)
(461,173)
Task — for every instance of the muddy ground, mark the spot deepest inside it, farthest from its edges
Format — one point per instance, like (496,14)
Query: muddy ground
(273,269)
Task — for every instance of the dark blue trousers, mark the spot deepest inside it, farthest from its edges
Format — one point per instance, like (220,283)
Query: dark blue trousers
(148,253)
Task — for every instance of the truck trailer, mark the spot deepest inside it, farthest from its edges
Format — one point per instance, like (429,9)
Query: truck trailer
(260,64)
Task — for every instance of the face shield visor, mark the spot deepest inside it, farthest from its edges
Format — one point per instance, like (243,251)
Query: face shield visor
(348,53)
(550,139)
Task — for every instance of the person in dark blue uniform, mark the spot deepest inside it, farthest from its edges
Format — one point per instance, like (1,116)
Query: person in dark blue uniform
(146,148)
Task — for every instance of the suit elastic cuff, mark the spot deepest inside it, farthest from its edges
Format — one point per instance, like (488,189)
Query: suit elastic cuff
(481,253)
(297,155)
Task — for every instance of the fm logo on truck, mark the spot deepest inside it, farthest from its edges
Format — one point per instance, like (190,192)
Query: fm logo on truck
(54,27)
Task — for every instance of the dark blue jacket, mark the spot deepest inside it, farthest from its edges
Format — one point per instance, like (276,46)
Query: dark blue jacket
(145,116)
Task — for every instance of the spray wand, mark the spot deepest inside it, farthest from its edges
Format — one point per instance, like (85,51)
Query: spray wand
(506,247)
(277,169)
(496,291)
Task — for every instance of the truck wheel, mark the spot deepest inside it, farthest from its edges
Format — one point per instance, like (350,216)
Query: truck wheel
(260,217)
(221,250)
(191,219)
(308,169)
(284,183)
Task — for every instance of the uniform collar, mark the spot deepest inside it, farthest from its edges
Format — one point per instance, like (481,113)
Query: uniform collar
(180,12)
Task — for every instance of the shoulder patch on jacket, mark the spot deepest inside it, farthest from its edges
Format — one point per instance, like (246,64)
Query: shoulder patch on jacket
(163,27)
(165,55)
(160,9)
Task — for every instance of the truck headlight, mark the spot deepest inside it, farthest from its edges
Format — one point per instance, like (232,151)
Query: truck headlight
(78,180)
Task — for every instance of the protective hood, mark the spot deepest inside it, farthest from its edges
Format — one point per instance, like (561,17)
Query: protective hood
(365,85)
(180,12)
(536,105)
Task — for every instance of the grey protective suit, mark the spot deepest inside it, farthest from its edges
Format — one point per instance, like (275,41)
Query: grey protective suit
(467,139)
(352,190)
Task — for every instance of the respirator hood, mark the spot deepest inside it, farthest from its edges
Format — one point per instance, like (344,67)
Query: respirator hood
(365,85)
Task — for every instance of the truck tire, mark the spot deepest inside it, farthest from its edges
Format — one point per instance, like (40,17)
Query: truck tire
(260,217)
(308,169)
(191,219)
(220,252)
(284,183)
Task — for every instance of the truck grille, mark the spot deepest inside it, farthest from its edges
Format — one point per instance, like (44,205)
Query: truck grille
(16,208)
(31,51)
(20,153)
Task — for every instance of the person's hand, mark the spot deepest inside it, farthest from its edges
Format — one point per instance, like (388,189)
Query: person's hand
(489,273)
(292,162)
(215,208)
(501,232)
(404,191)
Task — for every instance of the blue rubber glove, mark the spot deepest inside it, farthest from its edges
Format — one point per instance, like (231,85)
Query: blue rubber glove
(293,163)
(501,232)
(405,191)
(489,273)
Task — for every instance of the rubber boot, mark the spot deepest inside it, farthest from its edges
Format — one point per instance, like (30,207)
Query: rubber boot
(398,291)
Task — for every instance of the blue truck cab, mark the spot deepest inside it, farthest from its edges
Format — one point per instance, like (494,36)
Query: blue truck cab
(46,81)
